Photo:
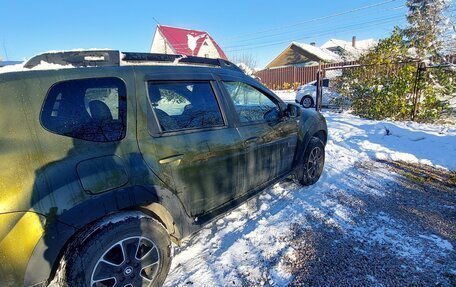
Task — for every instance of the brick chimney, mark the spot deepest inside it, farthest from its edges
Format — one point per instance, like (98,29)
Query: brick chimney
(312,43)
(354,41)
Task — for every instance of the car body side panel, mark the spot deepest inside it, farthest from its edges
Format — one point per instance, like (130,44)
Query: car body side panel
(201,166)
(39,172)
(44,173)
(196,176)
(269,146)
(101,174)
(17,244)
(310,124)
(57,181)
(19,157)
(269,152)
(44,259)
(20,229)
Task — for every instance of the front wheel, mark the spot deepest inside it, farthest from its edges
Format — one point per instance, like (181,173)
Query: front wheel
(313,162)
(135,251)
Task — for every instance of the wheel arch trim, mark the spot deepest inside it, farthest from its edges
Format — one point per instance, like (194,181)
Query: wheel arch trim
(311,123)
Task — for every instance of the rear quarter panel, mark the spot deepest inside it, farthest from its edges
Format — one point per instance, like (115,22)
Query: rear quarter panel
(38,176)
(20,229)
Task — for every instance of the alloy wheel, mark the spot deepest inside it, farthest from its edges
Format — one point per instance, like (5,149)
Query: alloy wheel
(315,162)
(131,262)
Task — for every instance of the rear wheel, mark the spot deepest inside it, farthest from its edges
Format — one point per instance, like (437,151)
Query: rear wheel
(313,163)
(135,251)
(307,101)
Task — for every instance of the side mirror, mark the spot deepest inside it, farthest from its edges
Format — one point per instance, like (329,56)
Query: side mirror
(283,109)
(293,110)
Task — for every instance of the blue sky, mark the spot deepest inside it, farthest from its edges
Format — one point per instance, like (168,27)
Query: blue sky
(258,28)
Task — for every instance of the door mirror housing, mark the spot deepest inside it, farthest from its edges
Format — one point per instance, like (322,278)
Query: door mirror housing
(293,110)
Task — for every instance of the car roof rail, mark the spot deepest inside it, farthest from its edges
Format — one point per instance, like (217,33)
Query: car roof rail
(83,58)
(101,58)
(140,58)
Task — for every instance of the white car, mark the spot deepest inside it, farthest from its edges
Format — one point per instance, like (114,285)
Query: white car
(306,94)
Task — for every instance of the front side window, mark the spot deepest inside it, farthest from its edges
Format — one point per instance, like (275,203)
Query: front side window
(88,109)
(251,104)
(184,105)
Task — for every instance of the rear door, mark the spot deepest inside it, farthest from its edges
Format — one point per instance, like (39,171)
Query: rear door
(269,138)
(187,140)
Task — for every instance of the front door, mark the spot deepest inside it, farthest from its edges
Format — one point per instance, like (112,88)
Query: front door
(269,138)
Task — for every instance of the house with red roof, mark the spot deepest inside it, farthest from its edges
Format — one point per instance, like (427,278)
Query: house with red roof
(172,40)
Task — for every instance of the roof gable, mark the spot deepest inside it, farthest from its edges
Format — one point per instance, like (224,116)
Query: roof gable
(299,53)
(321,53)
(186,41)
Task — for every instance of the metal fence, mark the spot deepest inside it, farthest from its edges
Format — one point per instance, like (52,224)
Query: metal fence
(292,77)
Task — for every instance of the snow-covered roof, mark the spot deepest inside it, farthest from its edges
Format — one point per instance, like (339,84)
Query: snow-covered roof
(322,53)
(303,54)
(350,52)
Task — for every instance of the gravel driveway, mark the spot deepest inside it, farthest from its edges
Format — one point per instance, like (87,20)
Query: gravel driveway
(402,238)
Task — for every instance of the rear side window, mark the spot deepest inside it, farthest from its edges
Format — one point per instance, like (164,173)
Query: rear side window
(185,105)
(88,109)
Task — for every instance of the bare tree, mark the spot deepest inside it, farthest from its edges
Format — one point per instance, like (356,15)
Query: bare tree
(248,59)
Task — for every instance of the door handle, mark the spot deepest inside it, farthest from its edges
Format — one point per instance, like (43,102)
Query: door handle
(251,140)
(172,158)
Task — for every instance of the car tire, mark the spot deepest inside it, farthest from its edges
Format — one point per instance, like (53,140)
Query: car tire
(313,162)
(134,250)
(307,101)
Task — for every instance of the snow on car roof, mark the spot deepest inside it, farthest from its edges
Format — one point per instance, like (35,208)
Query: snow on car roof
(42,66)
(54,60)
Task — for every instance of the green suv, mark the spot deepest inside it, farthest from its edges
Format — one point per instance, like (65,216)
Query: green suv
(111,158)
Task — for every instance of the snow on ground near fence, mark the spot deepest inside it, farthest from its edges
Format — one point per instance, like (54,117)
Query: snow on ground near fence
(250,246)
(388,140)
(407,141)
(286,95)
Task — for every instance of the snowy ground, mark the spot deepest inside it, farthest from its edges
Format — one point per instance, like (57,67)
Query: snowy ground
(369,221)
